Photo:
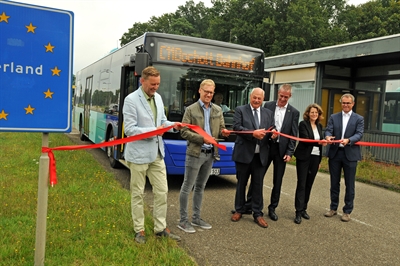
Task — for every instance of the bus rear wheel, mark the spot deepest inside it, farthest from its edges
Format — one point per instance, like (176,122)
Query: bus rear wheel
(82,135)
(111,151)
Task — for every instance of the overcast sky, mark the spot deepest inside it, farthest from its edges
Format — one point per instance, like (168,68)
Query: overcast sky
(99,24)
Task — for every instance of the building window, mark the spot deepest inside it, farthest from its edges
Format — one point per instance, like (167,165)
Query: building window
(303,94)
(391,111)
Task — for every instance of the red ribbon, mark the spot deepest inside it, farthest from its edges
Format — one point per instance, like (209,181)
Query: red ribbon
(360,143)
(52,160)
(197,129)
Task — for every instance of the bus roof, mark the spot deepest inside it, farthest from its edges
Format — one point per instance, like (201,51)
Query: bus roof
(131,46)
(197,40)
(384,47)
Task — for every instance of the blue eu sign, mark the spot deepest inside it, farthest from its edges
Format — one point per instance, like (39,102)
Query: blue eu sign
(35,68)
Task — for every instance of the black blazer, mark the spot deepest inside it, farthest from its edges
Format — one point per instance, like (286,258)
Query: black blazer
(303,150)
(290,126)
(245,144)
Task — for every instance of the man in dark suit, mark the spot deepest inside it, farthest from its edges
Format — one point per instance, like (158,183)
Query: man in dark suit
(251,154)
(286,120)
(349,128)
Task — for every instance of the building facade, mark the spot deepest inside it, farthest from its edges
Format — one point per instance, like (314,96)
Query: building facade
(368,69)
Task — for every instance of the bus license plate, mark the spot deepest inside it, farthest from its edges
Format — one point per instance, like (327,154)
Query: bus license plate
(214,171)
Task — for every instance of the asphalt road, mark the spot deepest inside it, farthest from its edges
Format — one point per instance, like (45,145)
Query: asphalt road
(372,237)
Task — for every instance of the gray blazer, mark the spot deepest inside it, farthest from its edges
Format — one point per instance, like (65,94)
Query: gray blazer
(194,115)
(138,119)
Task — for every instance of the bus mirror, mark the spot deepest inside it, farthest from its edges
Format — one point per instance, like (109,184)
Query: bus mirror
(142,61)
(132,60)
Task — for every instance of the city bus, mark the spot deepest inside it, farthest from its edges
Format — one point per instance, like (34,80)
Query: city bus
(184,62)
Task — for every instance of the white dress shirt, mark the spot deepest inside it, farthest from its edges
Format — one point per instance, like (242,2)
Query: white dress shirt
(345,121)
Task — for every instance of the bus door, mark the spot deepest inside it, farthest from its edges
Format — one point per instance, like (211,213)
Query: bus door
(129,83)
(86,104)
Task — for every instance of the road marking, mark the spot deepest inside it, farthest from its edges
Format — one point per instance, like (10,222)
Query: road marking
(355,220)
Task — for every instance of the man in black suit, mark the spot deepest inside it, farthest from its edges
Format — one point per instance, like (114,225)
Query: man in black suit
(251,154)
(286,120)
(349,128)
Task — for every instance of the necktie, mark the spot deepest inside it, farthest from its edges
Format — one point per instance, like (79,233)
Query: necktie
(256,119)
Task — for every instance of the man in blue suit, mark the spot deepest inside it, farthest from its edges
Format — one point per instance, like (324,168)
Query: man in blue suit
(349,128)
(143,112)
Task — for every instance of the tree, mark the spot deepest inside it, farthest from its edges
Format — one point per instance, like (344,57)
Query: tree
(372,19)
(277,26)
(194,18)
(246,22)
(137,30)
(307,24)
(190,20)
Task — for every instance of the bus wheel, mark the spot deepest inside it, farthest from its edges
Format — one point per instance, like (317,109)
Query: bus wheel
(111,151)
(82,135)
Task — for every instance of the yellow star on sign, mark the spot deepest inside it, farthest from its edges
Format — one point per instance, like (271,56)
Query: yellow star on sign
(29,109)
(48,94)
(31,28)
(49,48)
(4,17)
(3,115)
(55,71)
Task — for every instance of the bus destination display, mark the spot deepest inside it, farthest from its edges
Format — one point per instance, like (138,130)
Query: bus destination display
(207,55)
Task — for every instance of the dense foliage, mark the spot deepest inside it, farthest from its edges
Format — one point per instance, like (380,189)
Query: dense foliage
(277,26)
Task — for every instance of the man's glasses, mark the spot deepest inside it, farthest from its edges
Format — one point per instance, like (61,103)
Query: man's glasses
(346,103)
(207,92)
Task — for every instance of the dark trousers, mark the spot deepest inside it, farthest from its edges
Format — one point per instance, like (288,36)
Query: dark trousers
(243,172)
(306,172)
(336,164)
(279,171)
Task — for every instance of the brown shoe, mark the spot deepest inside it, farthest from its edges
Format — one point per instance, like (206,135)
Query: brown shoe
(236,217)
(330,213)
(261,222)
(346,217)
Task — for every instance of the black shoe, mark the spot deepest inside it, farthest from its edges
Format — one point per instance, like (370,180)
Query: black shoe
(272,215)
(297,220)
(245,212)
(305,215)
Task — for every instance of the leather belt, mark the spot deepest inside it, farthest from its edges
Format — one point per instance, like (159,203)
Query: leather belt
(206,151)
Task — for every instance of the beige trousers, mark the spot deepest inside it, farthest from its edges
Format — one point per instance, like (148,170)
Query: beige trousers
(157,175)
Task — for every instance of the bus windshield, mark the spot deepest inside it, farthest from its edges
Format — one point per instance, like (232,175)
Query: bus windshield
(179,88)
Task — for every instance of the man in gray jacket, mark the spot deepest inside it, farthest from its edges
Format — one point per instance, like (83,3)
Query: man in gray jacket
(144,112)
(200,153)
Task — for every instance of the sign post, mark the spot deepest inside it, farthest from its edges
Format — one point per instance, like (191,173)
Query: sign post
(42,202)
(36,45)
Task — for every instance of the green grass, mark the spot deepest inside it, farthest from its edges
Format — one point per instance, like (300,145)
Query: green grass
(368,171)
(88,217)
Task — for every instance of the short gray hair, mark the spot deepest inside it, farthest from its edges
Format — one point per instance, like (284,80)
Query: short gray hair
(347,95)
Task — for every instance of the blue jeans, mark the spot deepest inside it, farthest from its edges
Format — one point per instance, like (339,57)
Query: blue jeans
(197,172)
